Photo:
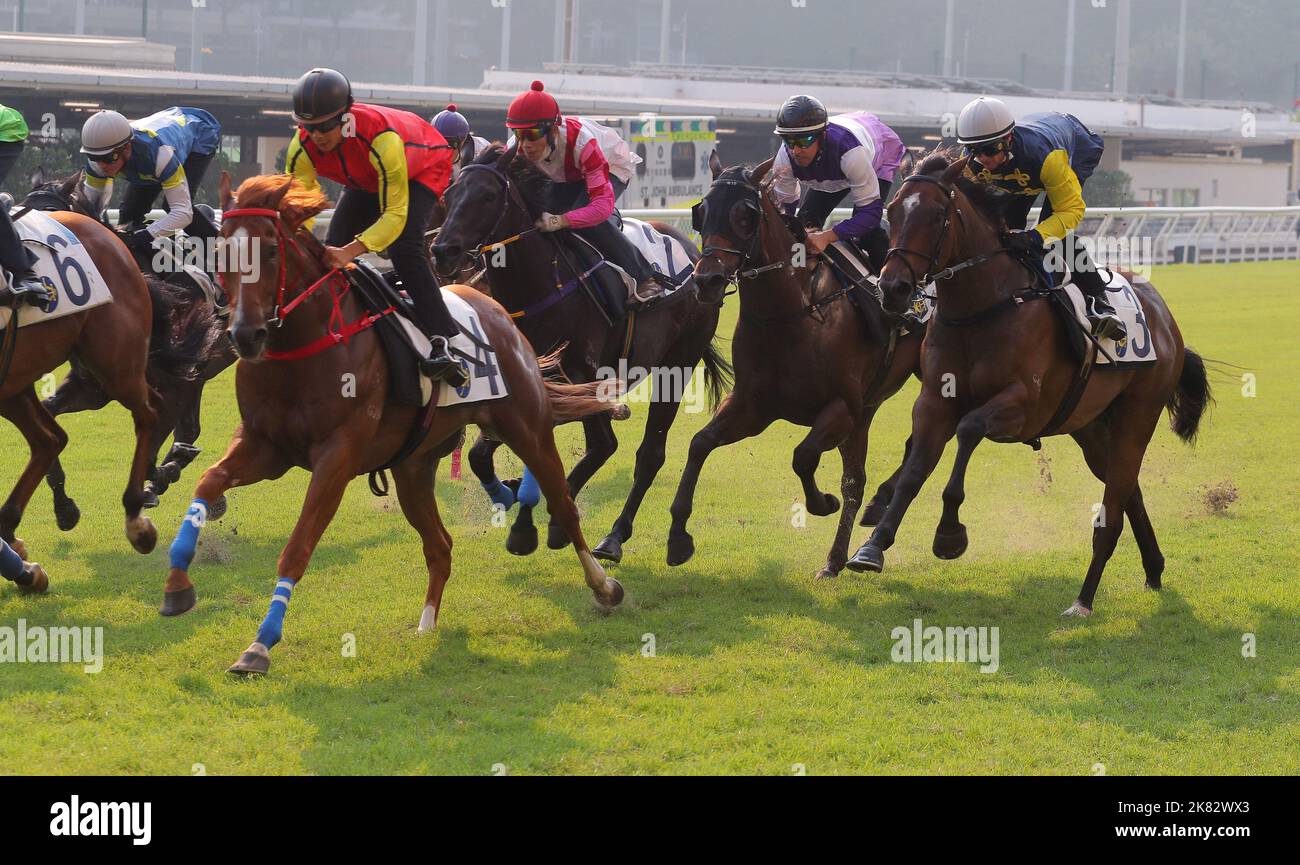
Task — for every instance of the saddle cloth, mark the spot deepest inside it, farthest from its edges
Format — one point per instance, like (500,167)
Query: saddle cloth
(850,266)
(1134,350)
(404,343)
(664,253)
(64,264)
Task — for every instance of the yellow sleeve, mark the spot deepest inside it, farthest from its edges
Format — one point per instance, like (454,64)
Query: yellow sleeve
(299,164)
(1066,195)
(388,156)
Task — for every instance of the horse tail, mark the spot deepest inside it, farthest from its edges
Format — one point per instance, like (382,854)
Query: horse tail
(719,376)
(183,331)
(570,402)
(1191,398)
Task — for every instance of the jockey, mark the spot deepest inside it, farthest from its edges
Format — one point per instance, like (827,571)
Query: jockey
(394,167)
(455,128)
(16,258)
(1050,152)
(831,157)
(590,166)
(169,152)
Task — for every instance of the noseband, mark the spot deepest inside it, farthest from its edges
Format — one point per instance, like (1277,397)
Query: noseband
(932,261)
(754,239)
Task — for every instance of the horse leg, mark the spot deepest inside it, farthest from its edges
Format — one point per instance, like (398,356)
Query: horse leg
(30,577)
(77,392)
(649,460)
(246,461)
(1001,417)
(933,424)
(415,479)
(1130,434)
(45,439)
(481,462)
(734,420)
(601,445)
(853,482)
(330,475)
(874,512)
(832,425)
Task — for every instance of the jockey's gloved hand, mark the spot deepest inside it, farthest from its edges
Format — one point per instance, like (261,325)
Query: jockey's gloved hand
(551,222)
(141,241)
(1023,241)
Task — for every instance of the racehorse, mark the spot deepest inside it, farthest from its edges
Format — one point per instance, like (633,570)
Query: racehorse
(495,201)
(997,366)
(112,341)
(801,353)
(197,332)
(294,412)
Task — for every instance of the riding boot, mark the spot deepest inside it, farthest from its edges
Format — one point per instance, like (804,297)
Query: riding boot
(28,288)
(1106,324)
(440,365)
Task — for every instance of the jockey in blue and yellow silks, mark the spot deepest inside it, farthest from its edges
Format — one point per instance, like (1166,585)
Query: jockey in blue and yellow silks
(1050,153)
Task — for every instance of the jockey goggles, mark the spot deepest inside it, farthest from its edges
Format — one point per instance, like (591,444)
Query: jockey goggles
(323,126)
(533,133)
(800,142)
(110,157)
(989,148)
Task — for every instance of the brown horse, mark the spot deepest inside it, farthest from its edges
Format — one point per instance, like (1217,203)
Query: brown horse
(112,342)
(800,352)
(294,412)
(996,365)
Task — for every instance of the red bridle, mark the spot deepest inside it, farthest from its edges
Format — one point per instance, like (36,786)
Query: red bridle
(332,337)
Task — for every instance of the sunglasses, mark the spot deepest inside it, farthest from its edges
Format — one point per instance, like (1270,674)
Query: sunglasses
(107,158)
(991,149)
(533,133)
(323,126)
(800,142)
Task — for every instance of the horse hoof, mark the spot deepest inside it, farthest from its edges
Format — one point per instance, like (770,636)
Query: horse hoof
(613,594)
(557,538)
(254,662)
(680,549)
(522,542)
(142,535)
(874,513)
(950,544)
(1154,585)
(829,505)
(829,572)
(40,581)
(868,558)
(609,550)
(67,516)
(150,498)
(175,603)
(1078,610)
(218,509)
(19,546)
(620,412)
(428,620)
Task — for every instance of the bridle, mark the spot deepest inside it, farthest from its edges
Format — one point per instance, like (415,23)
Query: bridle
(932,261)
(509,198)
(699,215)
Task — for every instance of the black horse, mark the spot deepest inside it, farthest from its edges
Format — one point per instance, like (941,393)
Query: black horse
(497,198)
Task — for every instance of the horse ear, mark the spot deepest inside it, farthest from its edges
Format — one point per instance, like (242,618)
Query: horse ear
(957,169)
(761,170)
(227,197)
(282,192)
(69,186)
(467,150)
(38,176)
(715,164)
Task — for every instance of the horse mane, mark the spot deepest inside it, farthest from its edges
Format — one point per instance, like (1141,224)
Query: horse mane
(531,181)
(298,204)
(989,199)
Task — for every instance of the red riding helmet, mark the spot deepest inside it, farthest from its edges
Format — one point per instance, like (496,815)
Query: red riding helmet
(533,107)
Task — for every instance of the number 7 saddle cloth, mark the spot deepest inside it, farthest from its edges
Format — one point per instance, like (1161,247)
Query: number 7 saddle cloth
(62,263)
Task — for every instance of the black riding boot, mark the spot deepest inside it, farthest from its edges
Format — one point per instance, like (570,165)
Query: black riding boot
(1106,324)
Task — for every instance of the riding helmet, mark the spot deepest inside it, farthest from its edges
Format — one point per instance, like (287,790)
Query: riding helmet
(533,107)
(320,94)
(104,132)
(801,115)
(983,120)
(451,123)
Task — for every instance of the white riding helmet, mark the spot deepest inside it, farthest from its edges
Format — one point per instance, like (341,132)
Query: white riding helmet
(104,132)
(983,120)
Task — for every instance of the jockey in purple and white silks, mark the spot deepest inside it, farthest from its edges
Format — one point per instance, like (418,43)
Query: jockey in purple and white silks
(826,159)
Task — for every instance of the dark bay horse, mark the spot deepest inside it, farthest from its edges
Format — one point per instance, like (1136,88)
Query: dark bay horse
(495,200)
(294,412)
(186,329)
(997,366)
(112,342)
(801,354)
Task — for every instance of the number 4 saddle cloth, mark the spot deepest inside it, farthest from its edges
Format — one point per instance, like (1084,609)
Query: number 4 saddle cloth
(1134,350)
(63,263)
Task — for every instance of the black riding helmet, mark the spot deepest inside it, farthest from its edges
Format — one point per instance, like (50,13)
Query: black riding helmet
(319,94)
(801,115)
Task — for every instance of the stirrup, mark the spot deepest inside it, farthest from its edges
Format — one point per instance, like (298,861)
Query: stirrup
(441,366)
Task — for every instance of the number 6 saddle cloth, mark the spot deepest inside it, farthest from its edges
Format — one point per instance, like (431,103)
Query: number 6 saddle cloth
(63,263)
(1135,350)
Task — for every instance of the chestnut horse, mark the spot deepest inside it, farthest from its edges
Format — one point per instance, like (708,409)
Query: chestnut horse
(800,351)
(997,366)
(112,342)
(294,412)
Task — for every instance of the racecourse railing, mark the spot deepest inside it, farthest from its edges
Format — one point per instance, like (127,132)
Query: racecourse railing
(1162,235)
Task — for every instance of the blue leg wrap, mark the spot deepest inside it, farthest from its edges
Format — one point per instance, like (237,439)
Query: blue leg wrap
(182,551)
(11,564)
(273,625)
(529,493)
(500,494)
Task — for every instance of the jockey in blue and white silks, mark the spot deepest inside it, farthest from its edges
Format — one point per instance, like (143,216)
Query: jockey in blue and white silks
(827,159)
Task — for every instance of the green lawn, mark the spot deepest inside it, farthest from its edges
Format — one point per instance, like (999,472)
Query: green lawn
(757,666)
